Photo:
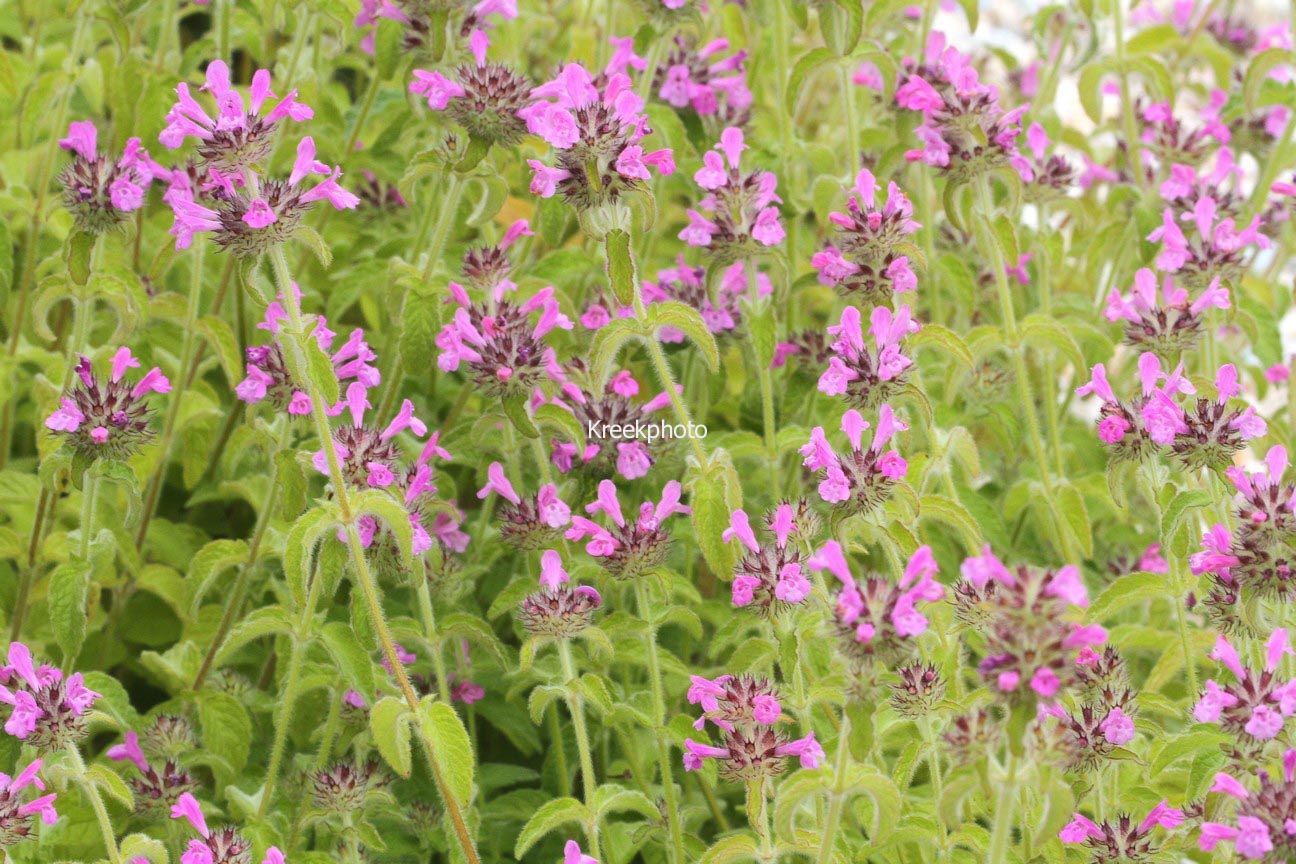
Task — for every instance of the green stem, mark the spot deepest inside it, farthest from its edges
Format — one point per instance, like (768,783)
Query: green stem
(1127,106)
(154,489)
(30,256)
(294,342)
(668,382)
(852,130)
(44,508)
(283,719)
(1001,835)
(659,721)
(235,604)
(589,784)
(758,817)
(449,202)
(82,777)
(992,250)
(89,492)
(1269,171)
(430,631)
(837,800)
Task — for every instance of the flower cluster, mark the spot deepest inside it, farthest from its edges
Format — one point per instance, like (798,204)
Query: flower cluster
(964,130)
(770,577)
(628,548)
(47,710)
(1121,839)
(487,99)
(876,618)
(557,609)
(688,77)
(268,377)
(97,191)
(16,815)
(1206,434)
(108,418)
(596,129)
(746,710)
(1025,617)
(1166,324)
(222,846)
(687,285)
(740,204)
(155,788)
(867,377)
(527,523)
(859,480)
(1252,709)
(869,257)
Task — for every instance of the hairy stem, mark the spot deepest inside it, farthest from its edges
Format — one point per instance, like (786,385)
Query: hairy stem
(1001,835)
(82,777)
(659,721)
(838,799)
(296,357)
(589,784)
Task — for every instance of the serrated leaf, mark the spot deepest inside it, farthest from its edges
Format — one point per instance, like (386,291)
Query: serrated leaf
(210,562)
(68,588)
(552,815)
(620,266)
(352,659)
(451,747)
(688,320)
(390,723)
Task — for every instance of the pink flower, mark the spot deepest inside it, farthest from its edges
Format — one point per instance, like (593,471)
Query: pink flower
(1265,723)
(572,854)
(768,231)
(436,88)
(1079,829)
(498,483)
(187,807)
(806,749)
(1117,728)
(1253,838)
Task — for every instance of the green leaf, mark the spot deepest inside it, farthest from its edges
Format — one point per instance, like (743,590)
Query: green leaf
(764,333)
(77,251)
(68,587)
(311,239)
(737,847)
(1126,591)
(221,338)
(608,342)
(945,339)
(212,560)
(687,319)
(550,816)
(949,512)
(1046,332)
(300,547)
(841,22)
(710,519)
(319,369)
(808,63)
(1258,71)
(515,408)
(137,846)
(620,266)
(376,502)
(352,659)
(561,421)
(390,723)
(226,728)
(110,782)
(451,747)
(420,323)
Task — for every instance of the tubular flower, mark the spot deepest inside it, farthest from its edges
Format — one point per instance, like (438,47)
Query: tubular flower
(268,378)
(606,451)
(97,191)
(1049,176)
(876,619)
(746,710)
(1032,640)
(1263,822)
(770,577)
(1165,323)
(1091,734)
(485,98)
(596,133)
(1212,249)
(46,710)
(427,25)
(154,788)
(741,205)
(239,135)
(251,215)
(528,523)
(687,285)
(868,375)
(869,257)
(860,480)
(557,609)
(107,418)
(690,77)
(370,458)
(497,341)
(17,817)
(1122,840)
(1252,709)
(628,548)
(965,131)
(223,845)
